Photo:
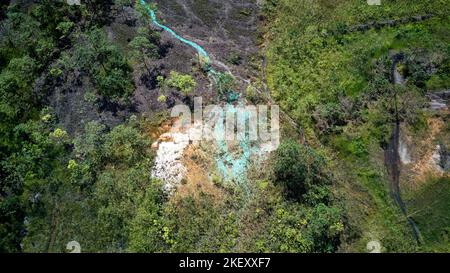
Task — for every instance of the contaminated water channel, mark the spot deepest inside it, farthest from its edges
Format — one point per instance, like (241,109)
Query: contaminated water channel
(232,168)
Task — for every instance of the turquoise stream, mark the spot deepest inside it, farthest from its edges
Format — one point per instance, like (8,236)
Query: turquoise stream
(200,50)
(231,168)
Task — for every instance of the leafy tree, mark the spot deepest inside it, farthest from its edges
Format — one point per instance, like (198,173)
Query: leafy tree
(123,184)
(44,194)
(145,46)
(103,62)
(199,225)
(22,36)
(16,95)
(146,231)
(56,19)
(297,168)
(30,158)
(182,82)
(97,12)
(294,228)
(37,170)
(98,196)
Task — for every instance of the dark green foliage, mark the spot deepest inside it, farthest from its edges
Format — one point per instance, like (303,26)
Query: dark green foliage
(11,215)
(192,226)
(97,12)
(56,19)
(33,172)
(333,73)
(22,36)
(296,229)
(95,186)
(145,46)
(17,96)
(34,181)
(298,169)
(103,62)
(94,196)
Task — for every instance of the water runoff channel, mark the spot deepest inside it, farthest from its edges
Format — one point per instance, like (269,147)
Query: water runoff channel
(233,168)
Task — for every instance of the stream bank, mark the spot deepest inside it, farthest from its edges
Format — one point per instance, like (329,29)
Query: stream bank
(232,165)
(392,154)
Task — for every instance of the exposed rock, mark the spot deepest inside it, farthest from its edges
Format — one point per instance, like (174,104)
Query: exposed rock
(441,158)
(403,152)
(168,166)
(439,100)
(436,158)
(155,145)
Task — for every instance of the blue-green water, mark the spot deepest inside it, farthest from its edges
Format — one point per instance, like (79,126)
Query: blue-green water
(234,168)
(200,50)
(230,167)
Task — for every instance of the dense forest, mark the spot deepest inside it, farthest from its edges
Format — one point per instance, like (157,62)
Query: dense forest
(86,92)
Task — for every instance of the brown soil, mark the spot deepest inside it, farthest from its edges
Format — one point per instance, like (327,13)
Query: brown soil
(423,166)
(197,180)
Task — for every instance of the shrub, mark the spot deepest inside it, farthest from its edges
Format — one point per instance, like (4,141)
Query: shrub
(297,168)
(182,82)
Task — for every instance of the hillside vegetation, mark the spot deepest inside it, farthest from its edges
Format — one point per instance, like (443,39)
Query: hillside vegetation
(330,67)
(85,92)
